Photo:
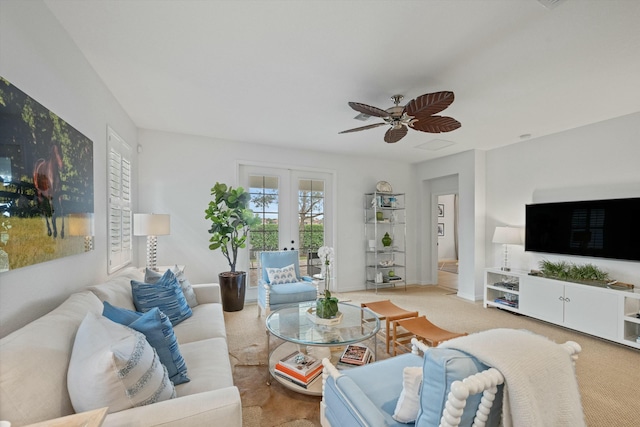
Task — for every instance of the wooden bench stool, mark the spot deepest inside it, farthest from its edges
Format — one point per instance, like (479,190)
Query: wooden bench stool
(421,328)
(386,310)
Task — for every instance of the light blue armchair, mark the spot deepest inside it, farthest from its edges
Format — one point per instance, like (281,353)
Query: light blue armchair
(271,296)
(454,388)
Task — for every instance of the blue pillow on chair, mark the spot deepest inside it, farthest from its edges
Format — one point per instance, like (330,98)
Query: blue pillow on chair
(156,327)
(443,366)
(166,294)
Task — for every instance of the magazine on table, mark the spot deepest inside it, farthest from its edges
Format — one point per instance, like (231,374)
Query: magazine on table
(356,354)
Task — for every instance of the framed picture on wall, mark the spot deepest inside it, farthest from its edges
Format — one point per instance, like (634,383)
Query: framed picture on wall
(440,210)
(46,171)
(440,229)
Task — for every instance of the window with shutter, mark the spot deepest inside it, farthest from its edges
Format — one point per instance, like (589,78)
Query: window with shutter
(119,203)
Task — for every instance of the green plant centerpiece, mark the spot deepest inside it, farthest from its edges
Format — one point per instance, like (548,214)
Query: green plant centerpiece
(569,272)
(326,306)
(231,220)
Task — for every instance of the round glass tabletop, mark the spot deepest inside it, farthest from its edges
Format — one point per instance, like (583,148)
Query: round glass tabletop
(294,323)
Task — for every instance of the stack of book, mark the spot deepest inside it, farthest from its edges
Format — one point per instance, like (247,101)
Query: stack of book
(299,368)
(505,301)
(355,354)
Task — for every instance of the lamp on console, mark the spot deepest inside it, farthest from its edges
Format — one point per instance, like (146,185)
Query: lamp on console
(507,236)
(151,225)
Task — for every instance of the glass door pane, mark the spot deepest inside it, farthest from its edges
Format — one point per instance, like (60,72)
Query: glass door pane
(265,198)
(311,196)
(293,208)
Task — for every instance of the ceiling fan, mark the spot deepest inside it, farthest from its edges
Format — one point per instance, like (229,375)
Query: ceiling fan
(417,114)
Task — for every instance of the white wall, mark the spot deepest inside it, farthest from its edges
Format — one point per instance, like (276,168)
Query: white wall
(176,173)
(37,56)
(469,169)
(598,161)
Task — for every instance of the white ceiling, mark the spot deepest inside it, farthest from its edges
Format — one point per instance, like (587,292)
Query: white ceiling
(281,72)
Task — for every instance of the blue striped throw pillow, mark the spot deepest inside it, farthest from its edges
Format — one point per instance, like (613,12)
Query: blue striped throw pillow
(166,294)
(156,327)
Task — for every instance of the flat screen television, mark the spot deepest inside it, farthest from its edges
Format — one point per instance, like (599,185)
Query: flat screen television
(594,228)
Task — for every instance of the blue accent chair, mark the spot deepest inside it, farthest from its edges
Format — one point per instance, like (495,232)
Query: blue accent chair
(455,388)
(271,297)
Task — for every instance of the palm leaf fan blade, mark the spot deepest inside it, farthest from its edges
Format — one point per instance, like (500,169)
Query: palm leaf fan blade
(368,109)
(363,128)
(436,124)
(395,135)
(429,104)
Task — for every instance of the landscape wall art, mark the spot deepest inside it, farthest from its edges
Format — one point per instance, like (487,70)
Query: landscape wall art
(46,183)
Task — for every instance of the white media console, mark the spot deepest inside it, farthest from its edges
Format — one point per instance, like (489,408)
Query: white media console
(606,313)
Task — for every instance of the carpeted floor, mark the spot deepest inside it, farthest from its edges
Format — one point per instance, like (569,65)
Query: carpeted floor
(608,374)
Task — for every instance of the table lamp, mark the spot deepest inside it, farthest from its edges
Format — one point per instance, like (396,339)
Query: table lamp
(507,236)
(151,225)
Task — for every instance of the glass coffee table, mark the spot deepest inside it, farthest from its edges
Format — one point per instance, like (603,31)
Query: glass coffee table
(293,325)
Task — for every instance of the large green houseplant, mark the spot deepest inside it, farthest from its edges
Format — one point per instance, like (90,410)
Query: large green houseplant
(231,220)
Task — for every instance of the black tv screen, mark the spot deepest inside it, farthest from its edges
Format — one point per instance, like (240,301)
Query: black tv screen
(594,228)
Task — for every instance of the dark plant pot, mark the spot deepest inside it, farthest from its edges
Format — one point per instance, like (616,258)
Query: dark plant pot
(232,287)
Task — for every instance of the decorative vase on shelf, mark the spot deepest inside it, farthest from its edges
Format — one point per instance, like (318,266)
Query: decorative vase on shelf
(386,240)
(379,216)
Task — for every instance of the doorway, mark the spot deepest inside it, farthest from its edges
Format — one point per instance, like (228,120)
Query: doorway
(447,235)
(295,211)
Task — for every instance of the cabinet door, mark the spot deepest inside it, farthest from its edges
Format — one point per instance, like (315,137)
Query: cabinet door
(542,298)
(591,310)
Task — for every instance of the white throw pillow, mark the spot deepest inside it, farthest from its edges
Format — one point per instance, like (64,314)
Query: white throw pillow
(409,402)
(280,276)
(113,365)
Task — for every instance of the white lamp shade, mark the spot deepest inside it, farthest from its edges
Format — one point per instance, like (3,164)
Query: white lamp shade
(81,224)
(507,236)
(151,224)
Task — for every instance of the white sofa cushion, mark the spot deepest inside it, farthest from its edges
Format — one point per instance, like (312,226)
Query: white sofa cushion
(202,324)
(113,365)
(34,361)
(209,366)
(118,289)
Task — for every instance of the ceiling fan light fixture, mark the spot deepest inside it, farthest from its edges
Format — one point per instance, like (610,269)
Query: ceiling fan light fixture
(419,114)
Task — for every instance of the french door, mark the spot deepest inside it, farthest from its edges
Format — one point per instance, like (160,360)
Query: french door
(295,211)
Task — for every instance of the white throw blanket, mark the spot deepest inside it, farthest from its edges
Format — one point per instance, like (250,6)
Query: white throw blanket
(541,388)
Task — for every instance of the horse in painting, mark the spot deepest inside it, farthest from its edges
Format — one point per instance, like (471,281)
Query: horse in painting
(46,178)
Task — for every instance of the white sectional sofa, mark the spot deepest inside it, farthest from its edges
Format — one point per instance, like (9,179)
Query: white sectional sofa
(34,361)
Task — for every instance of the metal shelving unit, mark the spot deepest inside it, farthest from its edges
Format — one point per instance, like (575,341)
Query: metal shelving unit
(385,266)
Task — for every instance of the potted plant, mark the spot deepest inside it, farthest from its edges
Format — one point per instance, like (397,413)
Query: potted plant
(231,220)
(569,272)
(326,306)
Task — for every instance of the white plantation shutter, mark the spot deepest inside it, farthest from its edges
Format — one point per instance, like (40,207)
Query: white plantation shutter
(119,203)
